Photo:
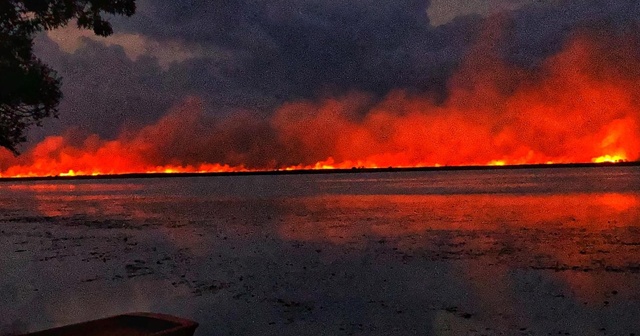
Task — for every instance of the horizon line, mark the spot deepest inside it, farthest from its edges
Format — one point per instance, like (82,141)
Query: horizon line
(351,170)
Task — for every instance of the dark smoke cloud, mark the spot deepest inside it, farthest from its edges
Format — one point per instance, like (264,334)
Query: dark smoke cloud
(103,89)
(538,31)
(257,55)
(292,49)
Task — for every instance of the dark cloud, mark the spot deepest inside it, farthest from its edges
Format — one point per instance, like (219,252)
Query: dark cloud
(444,11)
(296,48)
(103,88)
(539,30)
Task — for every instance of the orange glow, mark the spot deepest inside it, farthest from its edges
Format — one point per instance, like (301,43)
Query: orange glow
(572,232)
(579,105)
(461,213)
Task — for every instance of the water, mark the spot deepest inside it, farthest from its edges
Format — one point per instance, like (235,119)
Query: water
(436,253)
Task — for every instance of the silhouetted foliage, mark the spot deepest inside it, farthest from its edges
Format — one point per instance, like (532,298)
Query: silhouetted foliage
(29,89)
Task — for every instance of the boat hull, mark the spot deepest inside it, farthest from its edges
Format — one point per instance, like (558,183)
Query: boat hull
(133,324)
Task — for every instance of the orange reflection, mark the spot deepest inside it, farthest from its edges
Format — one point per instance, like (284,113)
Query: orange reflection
(568,234)
(355,216)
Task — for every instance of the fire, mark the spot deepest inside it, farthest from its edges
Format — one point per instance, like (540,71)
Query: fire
(496,163)
(579,105)
(69,173)
(610,158)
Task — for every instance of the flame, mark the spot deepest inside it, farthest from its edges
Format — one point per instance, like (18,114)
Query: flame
(610,158)
(497,163)
(579,105)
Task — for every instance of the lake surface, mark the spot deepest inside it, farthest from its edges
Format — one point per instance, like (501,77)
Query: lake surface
(431,253)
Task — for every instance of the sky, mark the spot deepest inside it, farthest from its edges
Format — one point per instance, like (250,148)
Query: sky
(249,83)
(255,55)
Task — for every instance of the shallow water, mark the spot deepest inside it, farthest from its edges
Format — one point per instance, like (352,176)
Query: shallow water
(436,253)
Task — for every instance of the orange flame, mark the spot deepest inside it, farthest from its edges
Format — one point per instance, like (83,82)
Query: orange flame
(580,105)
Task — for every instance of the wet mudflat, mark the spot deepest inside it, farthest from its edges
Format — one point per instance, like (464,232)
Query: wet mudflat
(530,252)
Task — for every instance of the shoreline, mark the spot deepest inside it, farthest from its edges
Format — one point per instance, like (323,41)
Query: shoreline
(353,170)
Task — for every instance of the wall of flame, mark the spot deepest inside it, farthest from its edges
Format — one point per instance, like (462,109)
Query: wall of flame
(579,105)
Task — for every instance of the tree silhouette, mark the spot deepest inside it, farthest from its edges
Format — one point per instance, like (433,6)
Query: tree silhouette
(29,89)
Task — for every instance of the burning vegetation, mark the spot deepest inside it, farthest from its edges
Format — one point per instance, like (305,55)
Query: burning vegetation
(579,105)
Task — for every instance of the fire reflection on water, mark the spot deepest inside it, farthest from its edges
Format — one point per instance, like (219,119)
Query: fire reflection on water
(578,236)
(493,241)
(351,217)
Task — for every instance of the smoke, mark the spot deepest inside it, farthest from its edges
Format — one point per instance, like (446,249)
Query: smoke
(258,55)
(579,105)
(182,140)
(545,83)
